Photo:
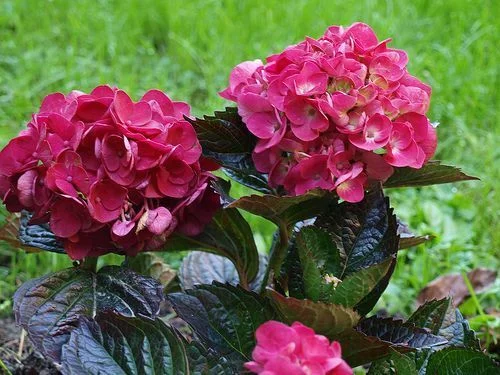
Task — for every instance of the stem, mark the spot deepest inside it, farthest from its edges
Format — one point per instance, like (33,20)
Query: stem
(243,280)
(3,367)
(90,263)
(278,253)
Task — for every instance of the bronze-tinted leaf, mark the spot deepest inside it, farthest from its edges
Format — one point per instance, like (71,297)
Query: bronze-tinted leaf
(48,308)
(431,173)
(326,319)
(285,210)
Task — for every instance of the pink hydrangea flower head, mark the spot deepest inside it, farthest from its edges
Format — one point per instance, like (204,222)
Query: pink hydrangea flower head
(109,174)
(295,349)
(345,87)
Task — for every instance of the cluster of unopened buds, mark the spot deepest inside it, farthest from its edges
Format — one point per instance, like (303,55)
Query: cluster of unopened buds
(295,350)
(109,174)
(335,113)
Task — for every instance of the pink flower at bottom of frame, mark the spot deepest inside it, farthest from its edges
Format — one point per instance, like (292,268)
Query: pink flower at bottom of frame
(295,350)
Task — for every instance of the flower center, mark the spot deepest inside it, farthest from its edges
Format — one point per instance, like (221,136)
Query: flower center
(69,178)
(128,123)
(370,133)
(310,111)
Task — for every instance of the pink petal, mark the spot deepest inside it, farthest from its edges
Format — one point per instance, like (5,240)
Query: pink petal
(263,124)
(241,73)
(25,187)
(158,221)
(383,66)
(418,123)
(274,336)
(78,250)
(310,81)
(362,34)
(141,115)
(429,145)
(64,221)
(376,167)
(249,103)
(122,228)
(105,200)
(182,133)
(264,144)
(66,187)
(411,156)
(181,109)
(91,111)
(352,190)
(173,180)
(165,103)
(58,103)
(123,106)
(283,365)
(375,134)
(114,152)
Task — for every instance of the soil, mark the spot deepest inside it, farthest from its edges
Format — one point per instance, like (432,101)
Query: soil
(29,362)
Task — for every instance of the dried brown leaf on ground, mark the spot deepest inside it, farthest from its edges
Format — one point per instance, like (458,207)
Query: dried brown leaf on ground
(453,285)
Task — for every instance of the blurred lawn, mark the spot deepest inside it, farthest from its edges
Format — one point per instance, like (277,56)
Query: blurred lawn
(188,48)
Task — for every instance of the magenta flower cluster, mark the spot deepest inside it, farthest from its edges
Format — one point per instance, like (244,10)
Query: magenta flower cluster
(335,113)
(109,174)
(295,350)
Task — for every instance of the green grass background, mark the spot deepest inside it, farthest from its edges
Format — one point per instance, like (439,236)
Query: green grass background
(187,48)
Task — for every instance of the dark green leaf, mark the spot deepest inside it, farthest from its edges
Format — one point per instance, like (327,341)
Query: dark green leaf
(224,132)
(453,361)
(431,315)
(39,236)
(365,232)
(395,363)
(407,238)
(325,319)
(291,272)
(457,331)
(222,187)
(150,264)
(49,307)
(440,318)
(250,178)
(204,268)
(351,291)
(228,235)
(285,211)
(398,332)
(370,300)
(430,174)
(223,317)
(320,263)
(409,241)
(360,349)
(225,138)
(111,344)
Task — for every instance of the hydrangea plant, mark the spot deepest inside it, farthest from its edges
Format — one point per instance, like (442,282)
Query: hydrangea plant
(320,132)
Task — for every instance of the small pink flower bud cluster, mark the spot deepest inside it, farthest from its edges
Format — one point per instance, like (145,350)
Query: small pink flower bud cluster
(295,350)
